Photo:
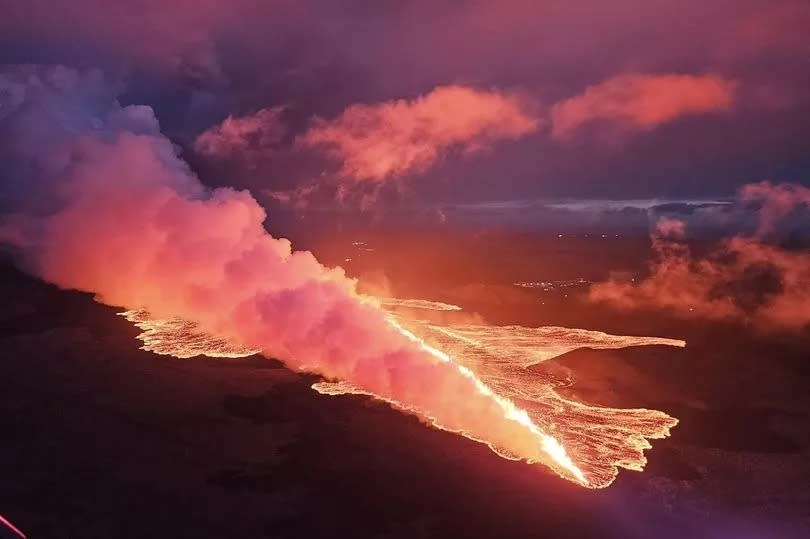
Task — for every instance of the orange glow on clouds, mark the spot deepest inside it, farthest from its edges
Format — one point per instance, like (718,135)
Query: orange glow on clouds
(375,142)
(242,135)
(742,278)
(642,101)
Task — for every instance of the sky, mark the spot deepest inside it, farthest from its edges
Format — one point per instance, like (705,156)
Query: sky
(368,104)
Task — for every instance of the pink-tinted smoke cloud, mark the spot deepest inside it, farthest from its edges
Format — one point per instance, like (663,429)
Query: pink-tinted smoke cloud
(778,201)
(369,146)
(246,137)
(118,214)
(376,142)
(642,101)
(743,278)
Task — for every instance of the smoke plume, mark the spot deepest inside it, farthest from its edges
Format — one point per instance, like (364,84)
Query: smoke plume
(104,204)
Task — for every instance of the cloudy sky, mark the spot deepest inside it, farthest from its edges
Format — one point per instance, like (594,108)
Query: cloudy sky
(362,102)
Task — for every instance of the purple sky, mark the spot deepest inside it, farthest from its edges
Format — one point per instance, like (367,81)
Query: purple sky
(196,62)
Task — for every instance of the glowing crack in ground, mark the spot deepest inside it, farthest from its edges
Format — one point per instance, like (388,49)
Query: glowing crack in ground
(589,443)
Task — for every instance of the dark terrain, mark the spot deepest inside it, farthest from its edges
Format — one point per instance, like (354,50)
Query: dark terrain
(103,440)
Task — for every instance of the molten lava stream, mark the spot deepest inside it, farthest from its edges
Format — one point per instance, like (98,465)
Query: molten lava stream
(582,443)
(550,445)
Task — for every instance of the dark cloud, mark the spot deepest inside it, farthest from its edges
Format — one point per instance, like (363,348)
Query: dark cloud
(196,63)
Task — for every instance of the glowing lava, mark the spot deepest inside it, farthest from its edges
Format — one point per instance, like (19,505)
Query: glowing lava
(582,443)
(599,439)
(419,304)
(550,445)
(180,338)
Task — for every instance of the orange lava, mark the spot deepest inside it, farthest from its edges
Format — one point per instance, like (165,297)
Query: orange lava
(180,338)
(581,443)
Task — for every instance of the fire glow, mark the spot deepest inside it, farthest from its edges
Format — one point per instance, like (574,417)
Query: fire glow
(495,359)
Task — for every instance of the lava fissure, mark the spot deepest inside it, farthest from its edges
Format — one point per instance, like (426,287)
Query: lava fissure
(589,443)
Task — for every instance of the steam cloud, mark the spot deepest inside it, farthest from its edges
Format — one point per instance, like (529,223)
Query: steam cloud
(743,278)
(104,205)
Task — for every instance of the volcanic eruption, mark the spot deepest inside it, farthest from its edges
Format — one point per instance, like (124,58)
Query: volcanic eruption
(101,202)
(498,356)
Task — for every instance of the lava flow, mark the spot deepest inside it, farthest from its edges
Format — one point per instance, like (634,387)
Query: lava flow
(585,444)
(114,211)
